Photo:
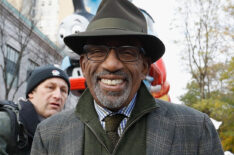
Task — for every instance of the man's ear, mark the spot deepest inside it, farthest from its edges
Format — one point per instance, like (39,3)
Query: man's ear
(82,64)
(30,95)
(146,65)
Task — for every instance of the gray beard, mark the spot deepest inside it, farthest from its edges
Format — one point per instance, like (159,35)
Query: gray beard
(112,100)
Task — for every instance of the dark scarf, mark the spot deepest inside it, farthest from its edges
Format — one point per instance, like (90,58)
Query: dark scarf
(29,117)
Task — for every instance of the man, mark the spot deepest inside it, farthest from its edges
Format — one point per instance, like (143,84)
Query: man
(46,93)
(116,114)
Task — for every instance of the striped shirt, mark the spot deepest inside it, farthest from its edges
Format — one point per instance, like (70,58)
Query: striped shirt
(103,112)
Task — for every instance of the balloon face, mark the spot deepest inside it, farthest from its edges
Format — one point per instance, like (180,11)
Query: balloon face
(92,5)
(70,25)
(158,72)
(77,79)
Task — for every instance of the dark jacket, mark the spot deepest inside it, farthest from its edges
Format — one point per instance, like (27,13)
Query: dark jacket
(29,119)
(171,129)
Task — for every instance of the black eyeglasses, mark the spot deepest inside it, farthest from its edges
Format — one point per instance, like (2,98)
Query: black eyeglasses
(99,53)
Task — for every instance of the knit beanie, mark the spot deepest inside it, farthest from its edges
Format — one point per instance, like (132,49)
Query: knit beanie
(43,73)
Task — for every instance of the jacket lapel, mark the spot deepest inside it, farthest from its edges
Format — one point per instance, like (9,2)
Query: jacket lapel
(160,129)
(87,114)
(160,132)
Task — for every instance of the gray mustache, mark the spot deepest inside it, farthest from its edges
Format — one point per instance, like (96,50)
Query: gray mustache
(120,73)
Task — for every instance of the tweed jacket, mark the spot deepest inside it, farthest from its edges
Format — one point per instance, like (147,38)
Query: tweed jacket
(172,129)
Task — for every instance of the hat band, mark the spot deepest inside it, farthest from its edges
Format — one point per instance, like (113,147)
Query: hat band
(113,23)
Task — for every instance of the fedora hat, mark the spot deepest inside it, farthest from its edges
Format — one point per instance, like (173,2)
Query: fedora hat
(118,18)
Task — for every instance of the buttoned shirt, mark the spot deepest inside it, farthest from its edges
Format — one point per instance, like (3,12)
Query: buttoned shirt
(126,111)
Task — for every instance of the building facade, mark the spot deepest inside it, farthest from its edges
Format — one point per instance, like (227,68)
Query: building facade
(22,48)
(49,13)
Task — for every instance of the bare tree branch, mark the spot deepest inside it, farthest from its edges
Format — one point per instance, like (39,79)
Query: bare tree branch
(204,40)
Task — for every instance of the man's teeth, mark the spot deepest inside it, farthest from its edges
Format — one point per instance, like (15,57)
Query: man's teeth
(111,82)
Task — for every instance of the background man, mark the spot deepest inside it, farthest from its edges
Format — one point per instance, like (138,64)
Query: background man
(116,114)
(46,93)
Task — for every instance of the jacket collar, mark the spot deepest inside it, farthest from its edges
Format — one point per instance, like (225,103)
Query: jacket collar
(29,117)
(86,112)
(144,103)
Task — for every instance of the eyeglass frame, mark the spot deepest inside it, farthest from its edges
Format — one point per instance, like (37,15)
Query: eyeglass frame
(140,50)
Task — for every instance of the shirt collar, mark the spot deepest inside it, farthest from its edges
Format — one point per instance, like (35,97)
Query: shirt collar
(103,112)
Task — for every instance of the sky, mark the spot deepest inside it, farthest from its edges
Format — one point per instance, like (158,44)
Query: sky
(162,12)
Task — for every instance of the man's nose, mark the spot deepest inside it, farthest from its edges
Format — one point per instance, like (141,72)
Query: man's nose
(112,62)
(57,93)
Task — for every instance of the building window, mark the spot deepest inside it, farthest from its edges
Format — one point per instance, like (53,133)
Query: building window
(31,66)
(43,3)
(12,56)
(33,8)
(34,2)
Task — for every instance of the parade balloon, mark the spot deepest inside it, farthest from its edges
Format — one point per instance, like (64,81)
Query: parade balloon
(155,81)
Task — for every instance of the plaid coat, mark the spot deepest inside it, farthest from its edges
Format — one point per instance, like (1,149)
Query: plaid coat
(172,129)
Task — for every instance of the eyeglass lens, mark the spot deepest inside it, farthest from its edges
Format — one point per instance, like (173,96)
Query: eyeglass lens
(99,53)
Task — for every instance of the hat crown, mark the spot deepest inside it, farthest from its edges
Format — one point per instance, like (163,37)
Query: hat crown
(118,18)
(42,73)
(118,14)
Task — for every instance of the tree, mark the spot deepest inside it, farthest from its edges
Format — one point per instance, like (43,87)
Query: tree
(220,104)
(208,32)
(19,28)
(227,129)
(227,77)
(23,35)
(206,40)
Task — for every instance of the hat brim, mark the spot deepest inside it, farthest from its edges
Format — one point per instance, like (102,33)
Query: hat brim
(152,45)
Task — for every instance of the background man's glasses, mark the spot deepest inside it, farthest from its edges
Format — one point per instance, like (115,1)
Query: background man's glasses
(99,53)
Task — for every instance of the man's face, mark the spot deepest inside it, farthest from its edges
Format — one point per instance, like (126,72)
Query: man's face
(49,96)
(112,82)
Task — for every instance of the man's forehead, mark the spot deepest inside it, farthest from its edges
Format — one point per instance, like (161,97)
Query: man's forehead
(54,80)
(115,41)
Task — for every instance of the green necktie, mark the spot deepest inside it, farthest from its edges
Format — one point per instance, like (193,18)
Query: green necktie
(111,126)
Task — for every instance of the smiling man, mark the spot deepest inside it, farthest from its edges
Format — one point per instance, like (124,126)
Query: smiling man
(46,93)
(114,69)
(116,114)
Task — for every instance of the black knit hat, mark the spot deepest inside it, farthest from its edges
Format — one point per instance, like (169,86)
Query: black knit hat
(43,73)
(117,18)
